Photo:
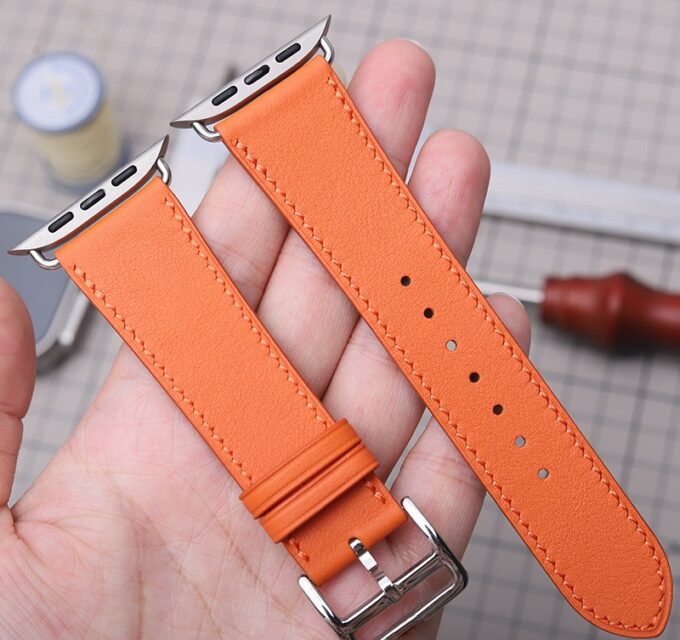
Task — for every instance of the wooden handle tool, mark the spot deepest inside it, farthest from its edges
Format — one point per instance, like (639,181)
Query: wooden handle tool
(613,311)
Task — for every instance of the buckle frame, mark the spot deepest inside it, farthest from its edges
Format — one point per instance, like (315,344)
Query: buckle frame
(392,591)
(256,80)
(105,197)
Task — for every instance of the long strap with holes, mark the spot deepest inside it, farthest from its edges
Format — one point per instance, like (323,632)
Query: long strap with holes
(306,478)
(309,149)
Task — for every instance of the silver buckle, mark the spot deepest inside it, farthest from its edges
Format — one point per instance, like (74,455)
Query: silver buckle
(256,80)
(106,196)
(391,592)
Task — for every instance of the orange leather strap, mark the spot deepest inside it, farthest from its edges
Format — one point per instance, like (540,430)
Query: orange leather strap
(149,272)
(309,149)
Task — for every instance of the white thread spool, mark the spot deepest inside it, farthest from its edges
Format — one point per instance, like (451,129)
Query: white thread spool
(61,97)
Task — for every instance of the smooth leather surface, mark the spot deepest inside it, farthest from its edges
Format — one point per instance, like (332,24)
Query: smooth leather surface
(311,152)
(148,271)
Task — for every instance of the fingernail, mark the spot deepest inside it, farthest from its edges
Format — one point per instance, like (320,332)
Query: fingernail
(507,295)
(415,42)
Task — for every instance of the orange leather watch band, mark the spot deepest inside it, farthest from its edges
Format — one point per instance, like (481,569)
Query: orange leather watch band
(309,149)
(149,272)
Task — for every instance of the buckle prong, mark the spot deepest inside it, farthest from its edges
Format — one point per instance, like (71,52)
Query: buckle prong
(391,592)
(371,565)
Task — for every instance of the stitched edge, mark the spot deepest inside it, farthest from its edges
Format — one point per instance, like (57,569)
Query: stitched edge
(199,414)
(376,492)
(99,294)
(275,186)
(298,549)
(272,353)
(299,391)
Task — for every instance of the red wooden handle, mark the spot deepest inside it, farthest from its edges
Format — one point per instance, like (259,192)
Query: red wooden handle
(613,311)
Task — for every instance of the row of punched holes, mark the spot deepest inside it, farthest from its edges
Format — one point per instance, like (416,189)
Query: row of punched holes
(474,377)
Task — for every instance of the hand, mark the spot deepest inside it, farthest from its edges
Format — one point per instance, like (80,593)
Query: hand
(135,529)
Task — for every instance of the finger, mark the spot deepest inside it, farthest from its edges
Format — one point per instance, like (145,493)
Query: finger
(304,309)
(17,379)
(437,477)
(243,228)
(450,180)
(368,389)
(392,88)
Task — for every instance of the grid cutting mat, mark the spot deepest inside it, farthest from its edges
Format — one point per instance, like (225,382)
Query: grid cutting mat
(587,86)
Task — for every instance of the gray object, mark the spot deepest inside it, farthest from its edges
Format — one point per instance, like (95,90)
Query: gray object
(56,306)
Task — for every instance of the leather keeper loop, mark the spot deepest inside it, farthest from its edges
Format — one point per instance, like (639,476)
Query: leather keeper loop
(301,487)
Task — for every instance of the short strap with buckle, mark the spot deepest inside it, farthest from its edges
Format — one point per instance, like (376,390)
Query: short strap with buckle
(295,129)
(132,249)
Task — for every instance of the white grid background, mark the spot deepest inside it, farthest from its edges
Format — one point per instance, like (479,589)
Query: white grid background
(586,86)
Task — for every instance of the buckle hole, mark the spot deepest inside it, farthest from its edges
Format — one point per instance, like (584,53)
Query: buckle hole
(451,345)
(428,312)
(520,441)
(474,377)
(498,409)
(543,473)
(405,281)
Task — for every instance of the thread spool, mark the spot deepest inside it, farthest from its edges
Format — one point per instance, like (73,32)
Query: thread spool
(61,97)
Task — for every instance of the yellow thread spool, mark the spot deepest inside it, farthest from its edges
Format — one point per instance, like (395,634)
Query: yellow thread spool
(61,97)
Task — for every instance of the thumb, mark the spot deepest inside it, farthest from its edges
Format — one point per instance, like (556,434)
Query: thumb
(17,379)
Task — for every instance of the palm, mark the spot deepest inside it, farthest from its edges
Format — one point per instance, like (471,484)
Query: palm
(135,529)
(136,521)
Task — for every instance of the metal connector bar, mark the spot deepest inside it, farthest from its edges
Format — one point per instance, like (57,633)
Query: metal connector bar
(83,212)
(256,80)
